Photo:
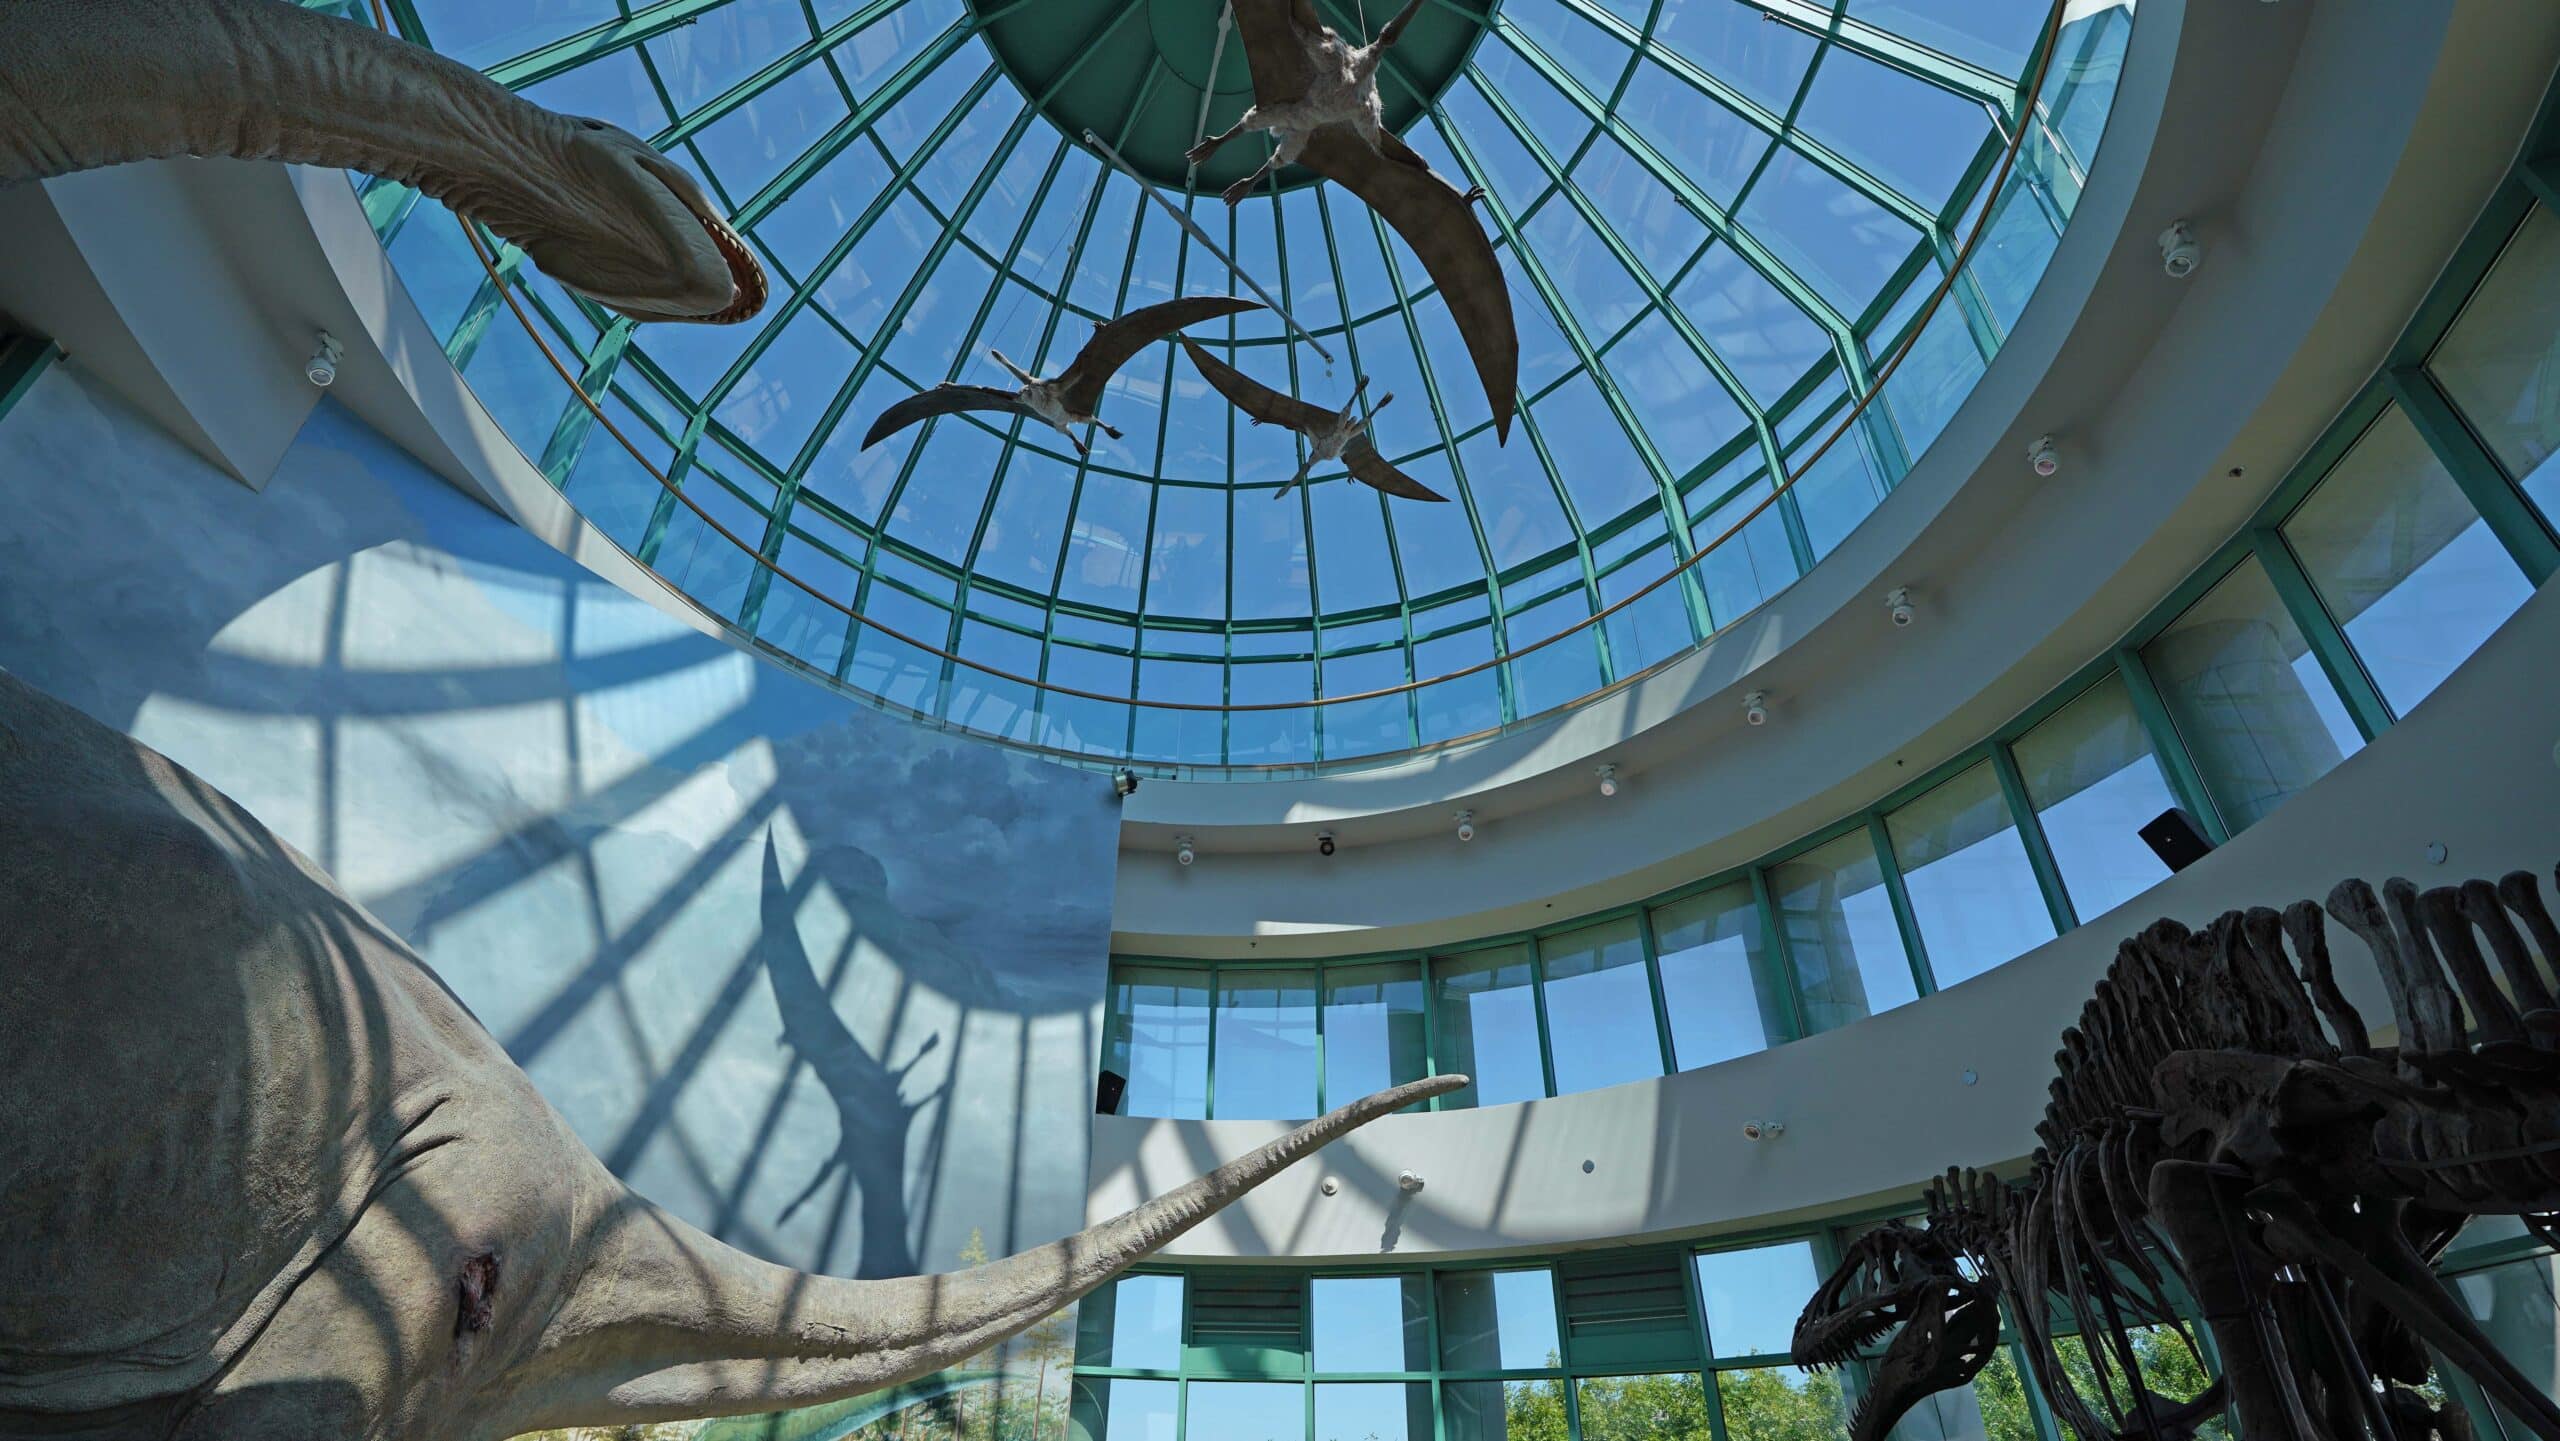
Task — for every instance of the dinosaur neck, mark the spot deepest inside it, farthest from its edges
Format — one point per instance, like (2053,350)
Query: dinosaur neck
(92,83)
(671,1324)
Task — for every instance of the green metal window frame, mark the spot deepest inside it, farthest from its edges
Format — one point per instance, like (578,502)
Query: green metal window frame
(601,348)
(2402,383)
(23,360)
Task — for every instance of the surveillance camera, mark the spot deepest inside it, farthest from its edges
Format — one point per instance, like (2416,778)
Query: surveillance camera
(1124,782)
(1183,854)
(1763,1130)
(1466,825)
(1324,843)
(1755,708)
(2044,457)
(1897,604)
(322,368)
(1609,779)
(2179,252)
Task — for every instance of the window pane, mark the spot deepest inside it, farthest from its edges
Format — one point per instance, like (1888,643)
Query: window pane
(2513,1304)
(1370,1323)
(1840,933)
(1753,1295)
(1644,1408)
(1160,1041)
(1135,1323)
(2168,1370)
(1599,1006)
(1373,1411)
(1373,1034)
(2095,783)
(1245,1410)
(1267,1044)
(1966,872)
(1488,1023)
(2249,698)
(1498,1321)
(1504,1410)
(1781,1403)
(1958,1415)
(2406,567)
(1109,1410)
(2501,360)
(1716,980)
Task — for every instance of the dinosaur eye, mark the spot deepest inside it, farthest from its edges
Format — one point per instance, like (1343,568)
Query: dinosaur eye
(593,124)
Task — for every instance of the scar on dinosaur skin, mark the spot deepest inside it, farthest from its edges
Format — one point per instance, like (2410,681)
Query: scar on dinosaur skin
(475,1286)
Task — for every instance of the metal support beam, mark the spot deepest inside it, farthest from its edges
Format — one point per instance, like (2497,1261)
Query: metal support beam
(1202,236)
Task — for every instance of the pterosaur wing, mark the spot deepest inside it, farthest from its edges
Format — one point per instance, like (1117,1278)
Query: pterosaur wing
(1114,342)
(941,400)
(1370,468)
(1255,398)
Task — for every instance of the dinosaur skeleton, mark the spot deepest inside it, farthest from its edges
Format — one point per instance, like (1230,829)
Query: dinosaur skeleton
(2223,1139)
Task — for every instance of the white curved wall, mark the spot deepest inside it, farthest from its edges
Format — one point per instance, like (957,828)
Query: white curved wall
(1875,1108)
(2332,155)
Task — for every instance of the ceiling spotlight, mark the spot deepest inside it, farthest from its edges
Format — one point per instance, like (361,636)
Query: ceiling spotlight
(1183,854)
(1897,604)
(1466,825)
(2179,252)
(1755,708)
(1124,782)
(1609,779)
(1763,1130)
(1324,843)
(1409,1181)
(2044,457)
(322,368)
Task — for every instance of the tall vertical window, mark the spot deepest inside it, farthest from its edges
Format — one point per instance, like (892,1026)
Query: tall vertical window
(2402,562)
(1600,1006)
(1373,1029)
(2501,361)
(1840,933)
(2248,697)
(1266,1044)
(1966,872)
(1159,1040)
(1717,980)
(1485,1009)
(2094,783)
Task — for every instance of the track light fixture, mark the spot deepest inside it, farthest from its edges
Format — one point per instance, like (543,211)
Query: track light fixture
(1324,843)
(322,368)
(1609,779)
(2044,457)
(1124,782)
(1755,708)
(1897,604)
(1183,853)
(1466,825)
(2180,254)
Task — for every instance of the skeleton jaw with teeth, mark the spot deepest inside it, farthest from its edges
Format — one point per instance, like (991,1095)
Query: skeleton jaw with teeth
(1900,1279)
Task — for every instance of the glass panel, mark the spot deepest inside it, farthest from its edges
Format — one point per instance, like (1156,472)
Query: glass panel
(1373,1411)
(1753,1295)
(1245,1410)
(1599,1006)
(1373,1030)
(1716,977)
(1370,1323)
(1124,1410)
(1999,1403)
(2249,698)
(1781,1403)
(1959,1415)
(1159,1040)
(2501,360)
(1504,1410)
(2513,1303)
(1141,1325)
(1966,872)
(1487,1019)
(1498,1321)
(1840,933)
(2406,567)
(1643,1408)
(1266,1045)
(2094,783)
(2168,1369)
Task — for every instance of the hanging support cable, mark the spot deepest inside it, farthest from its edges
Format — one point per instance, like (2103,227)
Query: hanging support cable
(1217,57)
(1193,226)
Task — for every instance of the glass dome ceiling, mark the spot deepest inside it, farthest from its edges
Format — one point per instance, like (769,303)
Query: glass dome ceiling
(1720,221)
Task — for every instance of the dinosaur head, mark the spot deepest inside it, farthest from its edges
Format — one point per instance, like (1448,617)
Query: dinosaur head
(1899,1276)
(628,229)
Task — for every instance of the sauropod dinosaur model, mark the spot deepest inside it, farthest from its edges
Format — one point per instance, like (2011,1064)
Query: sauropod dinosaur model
(2220,1117)
(265,1177)
(92,83)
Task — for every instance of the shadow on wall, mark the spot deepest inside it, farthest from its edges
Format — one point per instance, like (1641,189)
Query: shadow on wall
(819,980)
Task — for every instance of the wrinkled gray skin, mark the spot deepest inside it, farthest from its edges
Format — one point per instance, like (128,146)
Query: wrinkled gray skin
(92,83)
(265,1176)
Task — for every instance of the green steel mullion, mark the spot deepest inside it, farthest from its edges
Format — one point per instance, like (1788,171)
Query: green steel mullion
(1780,130)
(1904,919)
(388,204)
(678,467)
(2483,482)
(1887,48)
(484,305)
(1147,540)
(1778,968)
(1430,1055)
(858,123)
(577,422)
(23,358)
(2022,814)
(1707,1369)
(568,53)
(1538,998)
(2337,658)
(1306,499)
(2186,782)
(1209,1074)
(1653,980)
(799,57)
(2541,175)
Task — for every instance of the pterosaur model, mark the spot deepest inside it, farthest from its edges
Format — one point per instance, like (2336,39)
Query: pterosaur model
(1316,94)
(1331,435)
(1070,400)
